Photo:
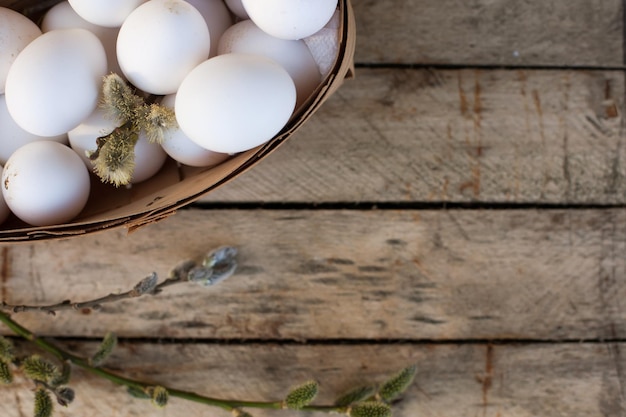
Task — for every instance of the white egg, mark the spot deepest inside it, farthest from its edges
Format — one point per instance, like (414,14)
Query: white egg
(217,17)
(234,102)
(4,208)
(13,137)
(290,19)
(237,8)
(109,13)
(149,157)
(160,42)
(184,150)
(55,81)
(45,183)
(16,31)
(63,16)
(293,55)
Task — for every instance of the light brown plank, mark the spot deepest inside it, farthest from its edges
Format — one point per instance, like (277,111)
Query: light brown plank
(490,32)
(333,274)
(466,135)
(454,380)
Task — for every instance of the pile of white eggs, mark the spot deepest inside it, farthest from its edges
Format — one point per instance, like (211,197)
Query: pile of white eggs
(234,71)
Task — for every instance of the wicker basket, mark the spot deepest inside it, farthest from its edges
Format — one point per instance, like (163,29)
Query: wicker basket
(174,187)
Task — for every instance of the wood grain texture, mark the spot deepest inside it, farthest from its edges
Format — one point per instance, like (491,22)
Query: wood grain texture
(334,274)
(456,135)
(490,32)
(574,380)
(370,291)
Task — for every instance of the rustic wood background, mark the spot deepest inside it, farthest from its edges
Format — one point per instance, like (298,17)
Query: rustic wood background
(458,205)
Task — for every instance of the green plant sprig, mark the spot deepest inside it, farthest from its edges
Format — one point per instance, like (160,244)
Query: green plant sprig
(51,380)
(370,406)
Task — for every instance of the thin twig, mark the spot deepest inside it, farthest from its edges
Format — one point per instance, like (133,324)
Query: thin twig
(215,268)
(91,304)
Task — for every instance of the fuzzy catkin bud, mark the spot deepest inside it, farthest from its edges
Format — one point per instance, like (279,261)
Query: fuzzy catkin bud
(115,162)
(38,369)
(6,349)
(302,395)
(181,271)
(200,275)
(6,376)
(146,285)
(118,99)
(370,409)
(158,121)
(221,255)
(43,403)
(109,343)
(65,396)
(397,384)
(221,263)
(160,396)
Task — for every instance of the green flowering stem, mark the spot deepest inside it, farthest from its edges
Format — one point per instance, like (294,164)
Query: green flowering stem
(228,405)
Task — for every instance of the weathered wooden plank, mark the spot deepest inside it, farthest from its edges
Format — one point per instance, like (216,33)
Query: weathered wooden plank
(334,274)
(453,380)
(466,135)
(490,32)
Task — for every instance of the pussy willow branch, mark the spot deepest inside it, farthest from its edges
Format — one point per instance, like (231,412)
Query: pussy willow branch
(216,267)
(83,363)
(91,304)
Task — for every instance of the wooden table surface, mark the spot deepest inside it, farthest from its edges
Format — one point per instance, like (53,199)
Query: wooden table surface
(458,205)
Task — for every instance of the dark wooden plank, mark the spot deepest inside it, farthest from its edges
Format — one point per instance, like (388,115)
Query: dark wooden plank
(491,32)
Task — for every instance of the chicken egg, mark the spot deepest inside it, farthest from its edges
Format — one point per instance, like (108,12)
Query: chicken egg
(108,13)
(290,19)
(63,16)
(55,81)
(16,31)
(217,17)
(293,55)
(45,183)
(234,102)
(184,150)
(160,42)
(13,137)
